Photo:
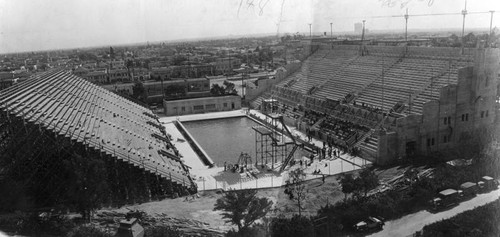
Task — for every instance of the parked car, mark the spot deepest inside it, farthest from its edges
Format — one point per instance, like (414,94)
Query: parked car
(371,223)
(446,198)
(469,189)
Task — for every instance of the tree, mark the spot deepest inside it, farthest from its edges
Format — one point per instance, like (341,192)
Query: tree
(242,207)
(229,88)
(138,91)
(216,90)
(290,227)
(348,184)
(367,180)
(296,189)
(175,91)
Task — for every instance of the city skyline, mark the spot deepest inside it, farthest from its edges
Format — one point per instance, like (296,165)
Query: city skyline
(37,26)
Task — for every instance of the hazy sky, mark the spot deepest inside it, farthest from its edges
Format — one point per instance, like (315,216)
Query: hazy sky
(27,25)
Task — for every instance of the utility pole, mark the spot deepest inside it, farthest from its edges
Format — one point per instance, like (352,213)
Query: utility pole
(331,30)
(491,25)
(363,33)
(331,34)
(310,31)
(406,26)
(464,13)
(363,39)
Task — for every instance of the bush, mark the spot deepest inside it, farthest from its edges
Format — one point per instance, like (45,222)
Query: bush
(51,225)
(162,231)
(296,226)
(88,230)
(254,231)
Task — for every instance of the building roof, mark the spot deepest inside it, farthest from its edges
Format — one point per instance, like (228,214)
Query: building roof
(65,104)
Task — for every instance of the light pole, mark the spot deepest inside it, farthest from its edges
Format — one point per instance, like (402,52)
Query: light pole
(464,13)
(331,30)
(363,33)
(310,30)
(491,24)
(406,26)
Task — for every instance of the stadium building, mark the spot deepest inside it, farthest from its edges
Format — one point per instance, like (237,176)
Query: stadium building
(391,103)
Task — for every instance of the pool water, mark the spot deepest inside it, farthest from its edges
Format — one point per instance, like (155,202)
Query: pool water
(224,139)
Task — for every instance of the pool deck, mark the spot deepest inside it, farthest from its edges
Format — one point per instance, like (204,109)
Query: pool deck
(207,116)
(216,178)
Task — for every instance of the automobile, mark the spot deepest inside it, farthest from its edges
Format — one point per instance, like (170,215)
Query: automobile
(445,199)
(371,223)
(487,183)
(469,189)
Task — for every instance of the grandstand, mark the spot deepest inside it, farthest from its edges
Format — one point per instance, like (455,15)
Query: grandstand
(393,96)
(56,115)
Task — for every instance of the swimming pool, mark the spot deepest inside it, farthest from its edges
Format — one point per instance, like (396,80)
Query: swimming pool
(224,139)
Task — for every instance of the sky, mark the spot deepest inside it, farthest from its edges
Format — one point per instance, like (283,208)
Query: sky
(33,25)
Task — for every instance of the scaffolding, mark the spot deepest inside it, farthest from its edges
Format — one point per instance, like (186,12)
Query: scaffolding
(274,144)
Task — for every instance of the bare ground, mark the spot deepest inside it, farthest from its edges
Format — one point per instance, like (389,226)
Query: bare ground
(201,209)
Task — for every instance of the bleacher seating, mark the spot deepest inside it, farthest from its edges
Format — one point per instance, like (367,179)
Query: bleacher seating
(69,106)
(379,85)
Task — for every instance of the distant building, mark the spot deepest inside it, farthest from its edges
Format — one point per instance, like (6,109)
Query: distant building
(118,75)
(96,77)
(6,79)
(116,64)
(202,105)
(226,65)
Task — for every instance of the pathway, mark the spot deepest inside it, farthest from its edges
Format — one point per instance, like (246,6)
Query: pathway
(408,225)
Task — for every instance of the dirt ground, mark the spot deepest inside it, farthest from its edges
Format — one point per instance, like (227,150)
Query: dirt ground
(201,209)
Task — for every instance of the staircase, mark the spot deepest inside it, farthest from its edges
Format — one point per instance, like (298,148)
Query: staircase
(369,149)
(255,103)
(289,157)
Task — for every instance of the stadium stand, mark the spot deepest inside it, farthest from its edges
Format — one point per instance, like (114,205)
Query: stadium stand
(379,87)
(62,106)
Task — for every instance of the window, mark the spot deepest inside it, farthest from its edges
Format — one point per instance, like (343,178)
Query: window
(198,107)
(428,142)
(445,139)
(486,81)
(463,117)
(449,120)
(210,106)
(486,113)
(467,117)
(225,105)
(432,142)
(445,121)
(482,114)
(183,109)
